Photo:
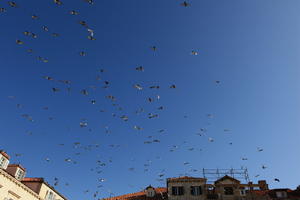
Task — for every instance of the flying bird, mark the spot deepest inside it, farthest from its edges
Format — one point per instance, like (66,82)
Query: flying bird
(19,42)
(12,4)
(153,48)
(57,2)
(140,68)
(34,17)
(185,4)
(194,53)
(73,12)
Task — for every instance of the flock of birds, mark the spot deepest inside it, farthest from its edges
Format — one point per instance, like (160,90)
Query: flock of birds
(66,85)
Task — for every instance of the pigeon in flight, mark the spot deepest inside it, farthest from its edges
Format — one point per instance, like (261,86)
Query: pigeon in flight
(58,2)
(140,68)
(185,4)
(194,53)
(73,12)
(12,4)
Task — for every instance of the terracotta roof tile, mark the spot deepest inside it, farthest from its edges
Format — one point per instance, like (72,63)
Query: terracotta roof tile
(185,178)
(41,180)
(260,192)
(27,179)
(161,193)
(4,154)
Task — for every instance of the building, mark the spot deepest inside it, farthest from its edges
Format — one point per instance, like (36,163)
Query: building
(278,194)
(14,185)
(225,188)
(150,193)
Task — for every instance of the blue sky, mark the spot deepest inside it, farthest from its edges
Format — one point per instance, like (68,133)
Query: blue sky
(251,47)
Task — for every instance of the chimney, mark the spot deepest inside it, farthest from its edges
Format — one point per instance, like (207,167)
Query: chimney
(263,185)
(4,159)
(16,171)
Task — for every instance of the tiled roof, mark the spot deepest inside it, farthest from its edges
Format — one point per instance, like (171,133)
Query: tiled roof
(259,192)
(41,180)
(17,165)
(27,179)
(161,193)
(227,177)
(292,194)
(4,154)
(185,178)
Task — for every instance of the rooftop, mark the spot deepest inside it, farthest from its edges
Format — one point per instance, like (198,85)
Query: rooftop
(17,165)
(161,193)
(227,177)
(4,154)
(41,180)
(185,178)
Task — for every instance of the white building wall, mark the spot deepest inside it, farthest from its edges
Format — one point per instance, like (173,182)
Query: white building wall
(10,188)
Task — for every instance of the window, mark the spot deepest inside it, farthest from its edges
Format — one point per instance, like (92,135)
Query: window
(177,190)
(3,162)
(196,190)
(150,192)
(20,174)
(50,196)
(228,190)
(281,194)
(243,192)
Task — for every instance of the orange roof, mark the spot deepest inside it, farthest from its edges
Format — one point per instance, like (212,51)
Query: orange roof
(27,179)
(259,192)
(184,178)
(4,154)
(41,180)
(161,193)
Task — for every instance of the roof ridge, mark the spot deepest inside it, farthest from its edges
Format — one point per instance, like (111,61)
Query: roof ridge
(134,194)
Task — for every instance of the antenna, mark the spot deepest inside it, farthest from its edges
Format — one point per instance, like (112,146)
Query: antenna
(212,175)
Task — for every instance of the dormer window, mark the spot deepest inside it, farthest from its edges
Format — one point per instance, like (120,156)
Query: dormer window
(150,191)
(3,162)
(20,174)
(16,171)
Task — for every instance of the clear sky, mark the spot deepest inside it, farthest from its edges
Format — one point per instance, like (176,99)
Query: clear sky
(238,95)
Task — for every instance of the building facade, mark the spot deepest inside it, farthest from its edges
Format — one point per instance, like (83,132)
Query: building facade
(225,188)
(14,185)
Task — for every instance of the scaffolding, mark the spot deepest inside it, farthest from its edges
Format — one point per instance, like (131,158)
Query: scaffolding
(212,175)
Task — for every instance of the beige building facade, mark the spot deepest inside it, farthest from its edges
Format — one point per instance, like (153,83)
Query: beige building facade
(186,188)
(224,188)
(15,186)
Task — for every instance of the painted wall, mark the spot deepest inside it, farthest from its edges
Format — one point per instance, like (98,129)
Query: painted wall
(45,189)
(14,189)
(187,190)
